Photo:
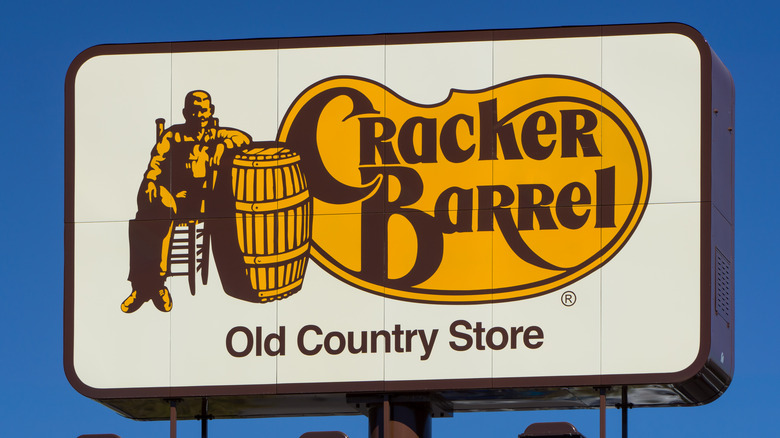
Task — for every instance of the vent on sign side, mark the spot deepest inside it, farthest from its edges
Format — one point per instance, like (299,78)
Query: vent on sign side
(722,286)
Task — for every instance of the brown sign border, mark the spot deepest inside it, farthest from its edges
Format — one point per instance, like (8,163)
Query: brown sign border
(693,373)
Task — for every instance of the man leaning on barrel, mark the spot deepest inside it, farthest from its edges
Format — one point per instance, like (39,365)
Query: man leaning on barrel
(175,188)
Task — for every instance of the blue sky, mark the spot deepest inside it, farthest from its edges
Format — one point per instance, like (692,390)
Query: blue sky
(38,41)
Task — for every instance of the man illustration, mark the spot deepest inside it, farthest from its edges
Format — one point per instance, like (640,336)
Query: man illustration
(175,188)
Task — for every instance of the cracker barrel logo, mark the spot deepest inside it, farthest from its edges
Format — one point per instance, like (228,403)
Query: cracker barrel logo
(491,195)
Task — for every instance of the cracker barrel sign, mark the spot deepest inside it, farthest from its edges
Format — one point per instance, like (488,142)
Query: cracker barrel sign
(300,223)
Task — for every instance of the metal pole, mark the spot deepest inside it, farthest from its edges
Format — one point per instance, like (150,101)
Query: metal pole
(624,409)
(603,412)
(173,418)
(204,418)
(386,418)
(400,420)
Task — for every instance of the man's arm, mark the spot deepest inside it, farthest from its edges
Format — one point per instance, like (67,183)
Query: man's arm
(159,155)
(229,138)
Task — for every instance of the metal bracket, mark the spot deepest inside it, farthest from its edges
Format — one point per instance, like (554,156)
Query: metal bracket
(438,405)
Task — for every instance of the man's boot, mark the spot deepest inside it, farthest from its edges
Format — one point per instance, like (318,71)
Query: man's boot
(162,300)
(133,302)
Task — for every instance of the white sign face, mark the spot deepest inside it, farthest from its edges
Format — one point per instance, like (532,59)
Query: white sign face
(429,212)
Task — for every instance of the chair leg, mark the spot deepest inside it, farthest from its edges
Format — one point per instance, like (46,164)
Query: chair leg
(204,258)
(191,256)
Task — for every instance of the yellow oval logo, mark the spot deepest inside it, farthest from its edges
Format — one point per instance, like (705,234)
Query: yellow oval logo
(492,195)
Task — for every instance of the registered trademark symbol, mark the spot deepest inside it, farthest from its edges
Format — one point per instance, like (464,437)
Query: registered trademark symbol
(568,298)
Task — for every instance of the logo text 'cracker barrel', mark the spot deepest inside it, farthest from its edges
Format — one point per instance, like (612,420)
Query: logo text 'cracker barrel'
(529,185)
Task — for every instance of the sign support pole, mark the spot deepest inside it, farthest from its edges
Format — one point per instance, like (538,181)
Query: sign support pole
(386,417)
(204,418)
(624,407)
(603,412)
(173,418)
(399,420)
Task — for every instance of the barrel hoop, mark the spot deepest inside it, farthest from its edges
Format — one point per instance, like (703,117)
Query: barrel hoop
(243,162)
(274,259)
(281,291)
(256,207)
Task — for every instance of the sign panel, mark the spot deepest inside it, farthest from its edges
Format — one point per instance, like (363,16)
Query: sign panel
(497,219)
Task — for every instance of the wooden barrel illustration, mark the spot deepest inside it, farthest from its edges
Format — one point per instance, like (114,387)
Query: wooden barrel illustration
(273,217)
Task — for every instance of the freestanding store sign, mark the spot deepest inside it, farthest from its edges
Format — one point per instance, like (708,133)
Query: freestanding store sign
(493,220)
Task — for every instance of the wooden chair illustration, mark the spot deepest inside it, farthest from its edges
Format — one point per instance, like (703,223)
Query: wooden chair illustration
(189,252)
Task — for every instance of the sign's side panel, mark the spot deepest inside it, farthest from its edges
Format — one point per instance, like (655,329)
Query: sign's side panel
(715,366)
(723,222)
